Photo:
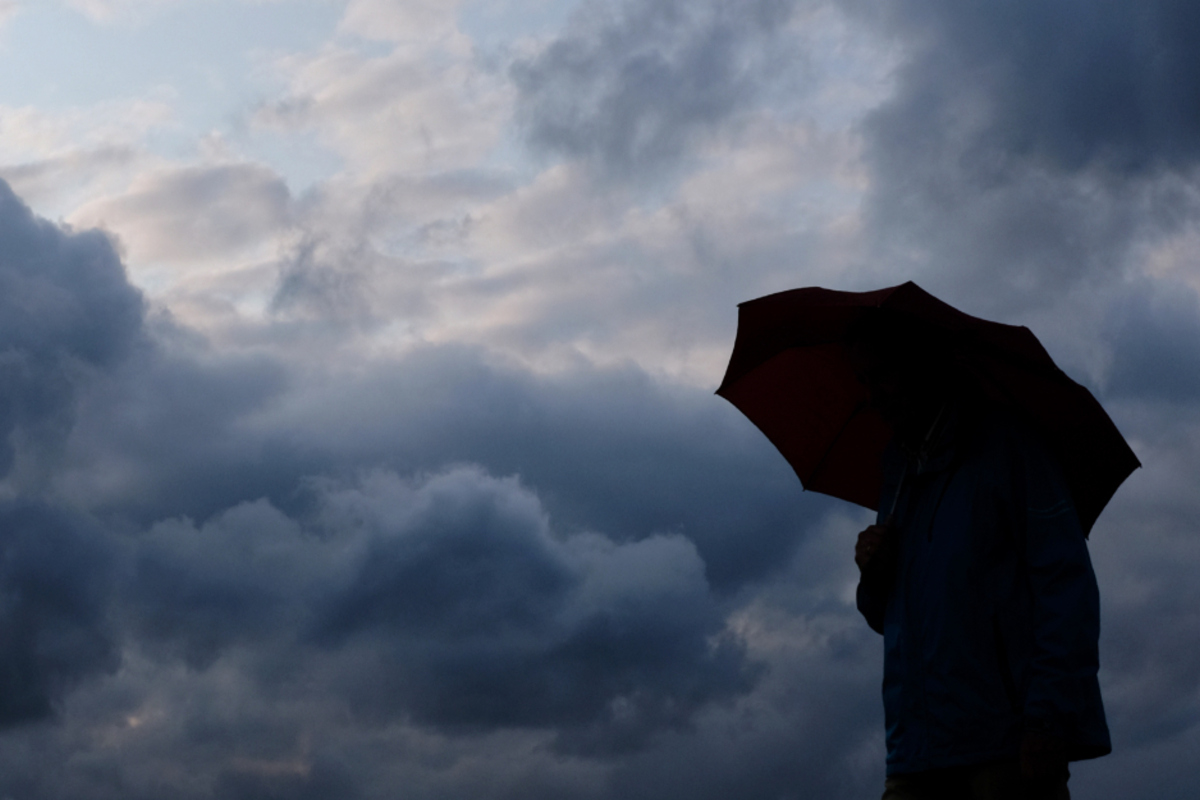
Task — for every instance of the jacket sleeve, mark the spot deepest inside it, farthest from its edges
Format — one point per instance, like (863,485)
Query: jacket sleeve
(1063,695)
(877,580)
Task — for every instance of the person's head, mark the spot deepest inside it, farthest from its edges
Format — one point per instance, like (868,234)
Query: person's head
(909,368)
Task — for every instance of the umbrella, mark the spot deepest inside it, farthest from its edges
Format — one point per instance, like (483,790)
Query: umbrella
(792,373)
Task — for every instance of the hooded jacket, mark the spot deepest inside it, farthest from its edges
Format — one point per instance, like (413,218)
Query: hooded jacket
(987,602)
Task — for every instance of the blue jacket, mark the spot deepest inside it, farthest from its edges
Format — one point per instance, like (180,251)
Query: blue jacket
(991,615)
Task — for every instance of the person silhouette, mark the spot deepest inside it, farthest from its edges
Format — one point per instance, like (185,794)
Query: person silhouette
(978,577)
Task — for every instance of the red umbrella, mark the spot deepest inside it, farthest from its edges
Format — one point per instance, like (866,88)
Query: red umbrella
(791,373)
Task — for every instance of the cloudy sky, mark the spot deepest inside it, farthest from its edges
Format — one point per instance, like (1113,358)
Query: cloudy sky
(357,435)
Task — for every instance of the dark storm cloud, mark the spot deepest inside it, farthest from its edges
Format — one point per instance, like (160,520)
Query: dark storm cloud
(65,309)
(236,579)
(322,781)
(1030,145)
(491,620)
(608,450)
(630,88)
(589,606)
(448,601)
(817,718)
(56,571)
(1067,83)
(171,432)
(1156,344)
(67,316)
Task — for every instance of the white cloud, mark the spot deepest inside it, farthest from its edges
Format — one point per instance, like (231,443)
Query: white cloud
(566,270)
(57,185)
(58,160)
(392,113)
(8,10)
(414,26)
(112,10)
(193,214)
(29,134)
(559,265)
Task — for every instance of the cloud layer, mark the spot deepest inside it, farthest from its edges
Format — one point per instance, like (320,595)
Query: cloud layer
(406,478)
(633,86)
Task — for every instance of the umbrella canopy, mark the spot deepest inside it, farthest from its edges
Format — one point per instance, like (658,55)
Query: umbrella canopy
(793,374)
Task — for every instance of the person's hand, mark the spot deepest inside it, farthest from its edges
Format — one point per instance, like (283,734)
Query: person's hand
(1043,757)
(869,542)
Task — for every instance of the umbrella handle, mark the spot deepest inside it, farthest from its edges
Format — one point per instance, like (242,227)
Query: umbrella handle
(890,518)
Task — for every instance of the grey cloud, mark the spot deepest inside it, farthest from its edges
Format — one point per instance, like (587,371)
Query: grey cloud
(609,660)
(1145,550)
(1161,771)
(56,576)
(1016,244)
(236,579)
(263,579)
(631,88)
(290,112)
(449,601)
(66,310)
(371,254)
(64,294)
(607,450)
(317,281)
(1031,147)
(813,727)
(1155,332)
(68,316)
(172,431)
(321,781)
(1070,84)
